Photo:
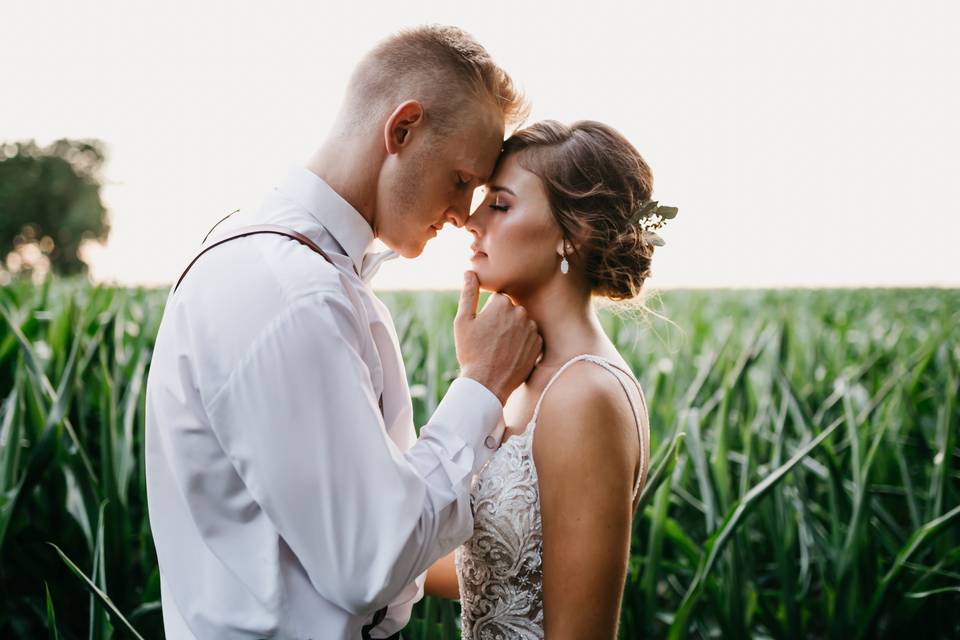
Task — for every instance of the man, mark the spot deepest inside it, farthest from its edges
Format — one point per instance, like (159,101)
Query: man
(288,494)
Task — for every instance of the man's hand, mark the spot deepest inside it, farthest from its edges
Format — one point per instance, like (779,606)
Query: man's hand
(498,346)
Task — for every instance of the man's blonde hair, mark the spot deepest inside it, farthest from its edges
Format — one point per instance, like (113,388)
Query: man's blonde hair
(441,66)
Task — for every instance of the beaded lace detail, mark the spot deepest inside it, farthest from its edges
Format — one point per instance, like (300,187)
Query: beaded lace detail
(500,568)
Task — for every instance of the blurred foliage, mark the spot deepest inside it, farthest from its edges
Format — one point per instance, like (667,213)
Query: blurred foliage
(50,200)
(805,467)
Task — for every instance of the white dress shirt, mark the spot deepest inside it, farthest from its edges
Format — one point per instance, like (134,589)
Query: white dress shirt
(282,504)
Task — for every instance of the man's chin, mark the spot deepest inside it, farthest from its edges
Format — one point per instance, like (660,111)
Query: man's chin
(410,251)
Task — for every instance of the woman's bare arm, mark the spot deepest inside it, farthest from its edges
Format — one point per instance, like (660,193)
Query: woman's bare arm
(442,579)
(586,457)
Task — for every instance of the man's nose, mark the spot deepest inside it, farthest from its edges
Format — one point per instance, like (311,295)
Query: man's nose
(457,216)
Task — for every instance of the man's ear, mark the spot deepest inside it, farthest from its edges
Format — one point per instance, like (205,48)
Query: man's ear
(401,124)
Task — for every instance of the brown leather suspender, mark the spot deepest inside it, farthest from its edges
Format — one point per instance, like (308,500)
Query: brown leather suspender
(264,228)
(253,230)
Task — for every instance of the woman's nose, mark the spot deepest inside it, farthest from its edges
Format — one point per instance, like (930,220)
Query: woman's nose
(475,222)
(459,209)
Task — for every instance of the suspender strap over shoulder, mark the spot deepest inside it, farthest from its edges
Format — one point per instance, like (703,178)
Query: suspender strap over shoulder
(243,232)
(255,229)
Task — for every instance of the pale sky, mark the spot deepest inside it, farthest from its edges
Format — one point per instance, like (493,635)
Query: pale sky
(806,144)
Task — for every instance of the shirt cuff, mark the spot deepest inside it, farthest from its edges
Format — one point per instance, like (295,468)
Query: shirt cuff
(474,412)
(399,610)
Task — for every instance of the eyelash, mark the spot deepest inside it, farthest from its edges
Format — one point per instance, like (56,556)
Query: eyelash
(498,207)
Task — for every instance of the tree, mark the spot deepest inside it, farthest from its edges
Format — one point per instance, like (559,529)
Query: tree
(49,204)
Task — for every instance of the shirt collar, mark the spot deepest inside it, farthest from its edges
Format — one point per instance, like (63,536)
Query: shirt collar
(337,216)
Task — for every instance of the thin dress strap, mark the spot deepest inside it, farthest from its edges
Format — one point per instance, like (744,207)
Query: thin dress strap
(609,366)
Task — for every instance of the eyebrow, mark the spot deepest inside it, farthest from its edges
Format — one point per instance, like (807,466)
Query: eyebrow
(495,187)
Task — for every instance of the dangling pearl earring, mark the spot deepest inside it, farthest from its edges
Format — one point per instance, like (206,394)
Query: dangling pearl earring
(564,265)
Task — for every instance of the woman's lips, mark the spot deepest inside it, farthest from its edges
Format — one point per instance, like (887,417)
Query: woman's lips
(477,254)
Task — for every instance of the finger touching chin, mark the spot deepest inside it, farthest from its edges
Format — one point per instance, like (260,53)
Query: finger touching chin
(487,282)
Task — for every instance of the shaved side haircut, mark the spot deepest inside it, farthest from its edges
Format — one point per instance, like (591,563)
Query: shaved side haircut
(443,67)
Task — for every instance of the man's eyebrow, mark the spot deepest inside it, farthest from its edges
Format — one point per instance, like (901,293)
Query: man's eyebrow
(496,187)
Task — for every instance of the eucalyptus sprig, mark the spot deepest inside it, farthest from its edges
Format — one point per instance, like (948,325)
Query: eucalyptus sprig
(652,216)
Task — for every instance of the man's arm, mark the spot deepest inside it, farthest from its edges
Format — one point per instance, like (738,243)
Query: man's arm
(300,421)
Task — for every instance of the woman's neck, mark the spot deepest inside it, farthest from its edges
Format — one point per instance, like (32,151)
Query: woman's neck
(566,321)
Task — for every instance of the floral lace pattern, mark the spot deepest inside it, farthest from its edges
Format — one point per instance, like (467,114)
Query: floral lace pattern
(500,568)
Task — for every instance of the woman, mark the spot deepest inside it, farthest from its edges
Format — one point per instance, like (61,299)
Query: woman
(567,216)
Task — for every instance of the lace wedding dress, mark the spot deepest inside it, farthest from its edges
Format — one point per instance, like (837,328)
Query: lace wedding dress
(499,569)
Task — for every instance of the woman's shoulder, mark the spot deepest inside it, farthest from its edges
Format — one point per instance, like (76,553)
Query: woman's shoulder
(589,386)
(583,386)
(584,419)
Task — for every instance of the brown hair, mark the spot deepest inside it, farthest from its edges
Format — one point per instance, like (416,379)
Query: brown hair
(443,67)
(595,181)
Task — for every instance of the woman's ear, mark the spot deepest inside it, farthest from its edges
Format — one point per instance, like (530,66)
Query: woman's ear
(401,124)
(571,244)
(578,238)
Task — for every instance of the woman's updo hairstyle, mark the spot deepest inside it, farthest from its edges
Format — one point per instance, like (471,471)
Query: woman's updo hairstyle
(596,182)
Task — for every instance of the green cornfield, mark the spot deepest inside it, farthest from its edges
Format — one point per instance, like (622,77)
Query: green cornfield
(805,477)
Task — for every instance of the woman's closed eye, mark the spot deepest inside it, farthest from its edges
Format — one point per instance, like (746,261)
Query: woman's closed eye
(497,205)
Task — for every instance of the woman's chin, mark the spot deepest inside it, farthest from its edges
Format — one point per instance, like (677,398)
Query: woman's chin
(487,283)
(489,279)
(480,279)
